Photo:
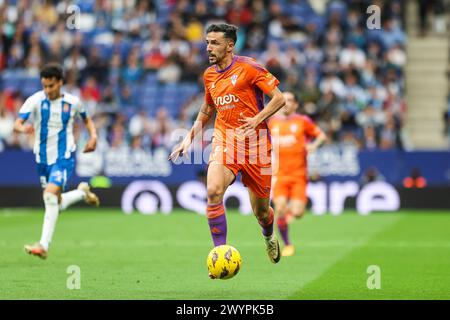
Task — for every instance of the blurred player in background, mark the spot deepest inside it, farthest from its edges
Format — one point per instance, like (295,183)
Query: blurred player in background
(53,114)
(235,88)
(291,132)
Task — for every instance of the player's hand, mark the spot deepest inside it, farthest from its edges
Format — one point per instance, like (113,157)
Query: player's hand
(311,148)
(248,126)
(180,150)
(28,129)
(90,145)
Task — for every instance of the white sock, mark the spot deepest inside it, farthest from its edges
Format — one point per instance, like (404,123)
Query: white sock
(51,215)
(71,197)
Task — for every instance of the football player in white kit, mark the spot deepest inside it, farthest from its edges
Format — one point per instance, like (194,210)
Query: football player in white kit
(53,114)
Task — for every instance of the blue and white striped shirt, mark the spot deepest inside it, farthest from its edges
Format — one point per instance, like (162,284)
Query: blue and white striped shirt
(53,124)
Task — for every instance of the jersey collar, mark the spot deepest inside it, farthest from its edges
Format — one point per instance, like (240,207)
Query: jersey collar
(227,68)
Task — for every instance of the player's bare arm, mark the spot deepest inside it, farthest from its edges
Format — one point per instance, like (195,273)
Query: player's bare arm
(203,117)
(21,127)
(318,141)
(277,101)
(92,142)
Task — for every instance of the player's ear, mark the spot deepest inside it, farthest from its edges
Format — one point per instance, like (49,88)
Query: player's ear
(230,46)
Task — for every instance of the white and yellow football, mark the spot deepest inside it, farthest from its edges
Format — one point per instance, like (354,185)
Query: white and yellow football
(224,262)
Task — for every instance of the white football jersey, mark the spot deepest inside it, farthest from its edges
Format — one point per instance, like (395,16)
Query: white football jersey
(53,124)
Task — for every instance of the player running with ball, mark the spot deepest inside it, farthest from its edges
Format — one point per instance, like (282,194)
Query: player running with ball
(235,88)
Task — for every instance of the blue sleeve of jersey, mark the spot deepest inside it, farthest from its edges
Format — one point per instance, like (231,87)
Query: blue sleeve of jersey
(24,115)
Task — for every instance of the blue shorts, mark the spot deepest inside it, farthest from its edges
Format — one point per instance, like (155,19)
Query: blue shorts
(57,173)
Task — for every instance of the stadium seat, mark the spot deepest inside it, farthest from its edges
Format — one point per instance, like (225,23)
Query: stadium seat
(10,80)
(86,6)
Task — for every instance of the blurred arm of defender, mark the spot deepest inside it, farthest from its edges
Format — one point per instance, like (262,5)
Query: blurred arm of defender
(92,142)
(204,115)
(21,127)
(318,141)
(276,102)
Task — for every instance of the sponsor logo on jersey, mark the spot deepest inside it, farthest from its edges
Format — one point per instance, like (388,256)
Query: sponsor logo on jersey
(225,100)
(287,140)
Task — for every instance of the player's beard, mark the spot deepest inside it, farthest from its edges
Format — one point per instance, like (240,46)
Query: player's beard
(217,58)
(212,61)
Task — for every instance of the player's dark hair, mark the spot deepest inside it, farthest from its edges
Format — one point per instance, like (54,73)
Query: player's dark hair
(52,70)
(229,30)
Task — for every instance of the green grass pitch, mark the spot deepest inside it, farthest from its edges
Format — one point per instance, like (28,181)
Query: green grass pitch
(164,257)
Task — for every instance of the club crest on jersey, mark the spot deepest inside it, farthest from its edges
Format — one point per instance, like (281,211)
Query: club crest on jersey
(234,79)
(66,107)
(294,128)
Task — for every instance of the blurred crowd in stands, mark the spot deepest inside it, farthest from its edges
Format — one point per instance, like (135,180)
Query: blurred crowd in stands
(138,64)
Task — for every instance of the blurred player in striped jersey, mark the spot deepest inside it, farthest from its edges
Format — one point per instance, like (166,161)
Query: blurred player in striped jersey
(235,88)
(291,132)
(53,113)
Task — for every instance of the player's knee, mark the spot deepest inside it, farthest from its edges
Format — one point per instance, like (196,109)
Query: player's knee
(50,198)
(298,212)
(280,208)
(215,193)
(262,212)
